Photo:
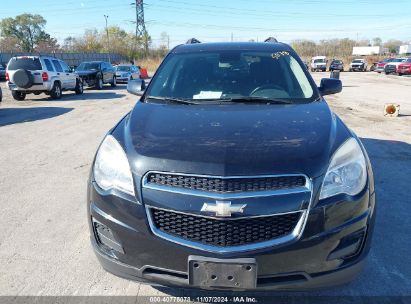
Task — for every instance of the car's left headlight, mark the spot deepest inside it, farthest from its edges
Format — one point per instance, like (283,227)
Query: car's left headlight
(111,167)
(347,172)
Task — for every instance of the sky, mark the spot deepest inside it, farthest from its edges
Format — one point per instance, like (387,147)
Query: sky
(226,20)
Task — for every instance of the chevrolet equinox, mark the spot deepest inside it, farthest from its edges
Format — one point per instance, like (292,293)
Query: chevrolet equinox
(231,172)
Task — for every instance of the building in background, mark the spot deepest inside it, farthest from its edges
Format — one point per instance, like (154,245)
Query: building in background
(369,50)
(405,49)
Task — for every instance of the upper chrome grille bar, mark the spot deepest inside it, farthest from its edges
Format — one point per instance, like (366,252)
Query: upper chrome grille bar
(229,195)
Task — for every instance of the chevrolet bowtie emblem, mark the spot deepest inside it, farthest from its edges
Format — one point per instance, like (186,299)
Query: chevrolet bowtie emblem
(223,209)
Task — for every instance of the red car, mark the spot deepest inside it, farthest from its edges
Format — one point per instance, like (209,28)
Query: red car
(381,65)
(405,68)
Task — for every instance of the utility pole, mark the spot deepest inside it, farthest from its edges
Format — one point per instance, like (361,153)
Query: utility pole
(108,39)
(140,24)
(141,33)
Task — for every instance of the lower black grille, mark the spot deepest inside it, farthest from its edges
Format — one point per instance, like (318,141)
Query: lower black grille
(223,185)
(224,232)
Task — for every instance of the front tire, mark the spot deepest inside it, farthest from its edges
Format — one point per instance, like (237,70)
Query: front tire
(99,82)
(55,92)
(18,95)
(114,82)
(79,87)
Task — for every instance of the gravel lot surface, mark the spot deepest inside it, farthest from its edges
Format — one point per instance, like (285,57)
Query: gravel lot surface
(46,150)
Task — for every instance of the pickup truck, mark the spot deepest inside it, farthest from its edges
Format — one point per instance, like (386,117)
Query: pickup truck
(358,65)
(318,63)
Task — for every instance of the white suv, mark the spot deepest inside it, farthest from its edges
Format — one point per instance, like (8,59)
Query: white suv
(40,74)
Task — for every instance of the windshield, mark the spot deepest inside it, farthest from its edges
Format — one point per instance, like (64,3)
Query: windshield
(85,66)
(221,75)
(27,63)
(319,60)
(399,60)
(337,62)
(357,61)
(123,68)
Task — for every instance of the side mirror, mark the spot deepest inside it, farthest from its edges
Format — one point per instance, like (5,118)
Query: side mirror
(330,86)
(136,87)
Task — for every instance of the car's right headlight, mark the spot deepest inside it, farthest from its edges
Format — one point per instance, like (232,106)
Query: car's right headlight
(347,171)
(111,167)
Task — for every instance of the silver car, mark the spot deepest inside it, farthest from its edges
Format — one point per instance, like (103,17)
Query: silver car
(41,74)
(126,72)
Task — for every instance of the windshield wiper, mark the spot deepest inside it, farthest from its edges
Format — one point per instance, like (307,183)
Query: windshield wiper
(172,99)
(258,100)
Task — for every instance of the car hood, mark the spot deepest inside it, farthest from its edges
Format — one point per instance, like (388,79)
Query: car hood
(395,63)
(231,139)
(86,73)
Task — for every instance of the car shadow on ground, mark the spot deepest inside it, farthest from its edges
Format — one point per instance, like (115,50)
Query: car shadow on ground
(387,273)
(103,94)
(9,116)
(86,96)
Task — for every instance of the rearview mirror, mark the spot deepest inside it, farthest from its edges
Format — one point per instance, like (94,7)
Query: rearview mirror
(330,86)
(136,87)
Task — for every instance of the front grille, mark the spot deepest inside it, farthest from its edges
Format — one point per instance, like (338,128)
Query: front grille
(226,185)
(224,232)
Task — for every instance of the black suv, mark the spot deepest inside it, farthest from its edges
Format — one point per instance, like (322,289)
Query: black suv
(232,172)
(97,73)
(337,65)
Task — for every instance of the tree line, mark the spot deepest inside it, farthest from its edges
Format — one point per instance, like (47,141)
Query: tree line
(341,48)
(26,33)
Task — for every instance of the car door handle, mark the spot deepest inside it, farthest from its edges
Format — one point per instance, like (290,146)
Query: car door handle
(58,73)
(67,74)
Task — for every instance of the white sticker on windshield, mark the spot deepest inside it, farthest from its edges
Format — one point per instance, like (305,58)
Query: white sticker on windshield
(208,95)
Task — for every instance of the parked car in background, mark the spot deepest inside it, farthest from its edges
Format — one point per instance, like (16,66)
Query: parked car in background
(126,72)
(392,67)
(40,74)
(381,64)
(2,72)
(318,63)
(359,65)
(97,73)
(337,65)
(405,68)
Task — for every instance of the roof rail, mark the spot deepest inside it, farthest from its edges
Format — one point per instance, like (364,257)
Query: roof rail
(193,41)
(271,40)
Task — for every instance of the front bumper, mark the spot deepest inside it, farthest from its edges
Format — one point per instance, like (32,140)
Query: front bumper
(313,261)
(121,79)
(37,87)
(390,69)
(357,67)
(406,71)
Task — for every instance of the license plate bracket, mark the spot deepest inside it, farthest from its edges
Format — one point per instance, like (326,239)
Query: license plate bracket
(222,273)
